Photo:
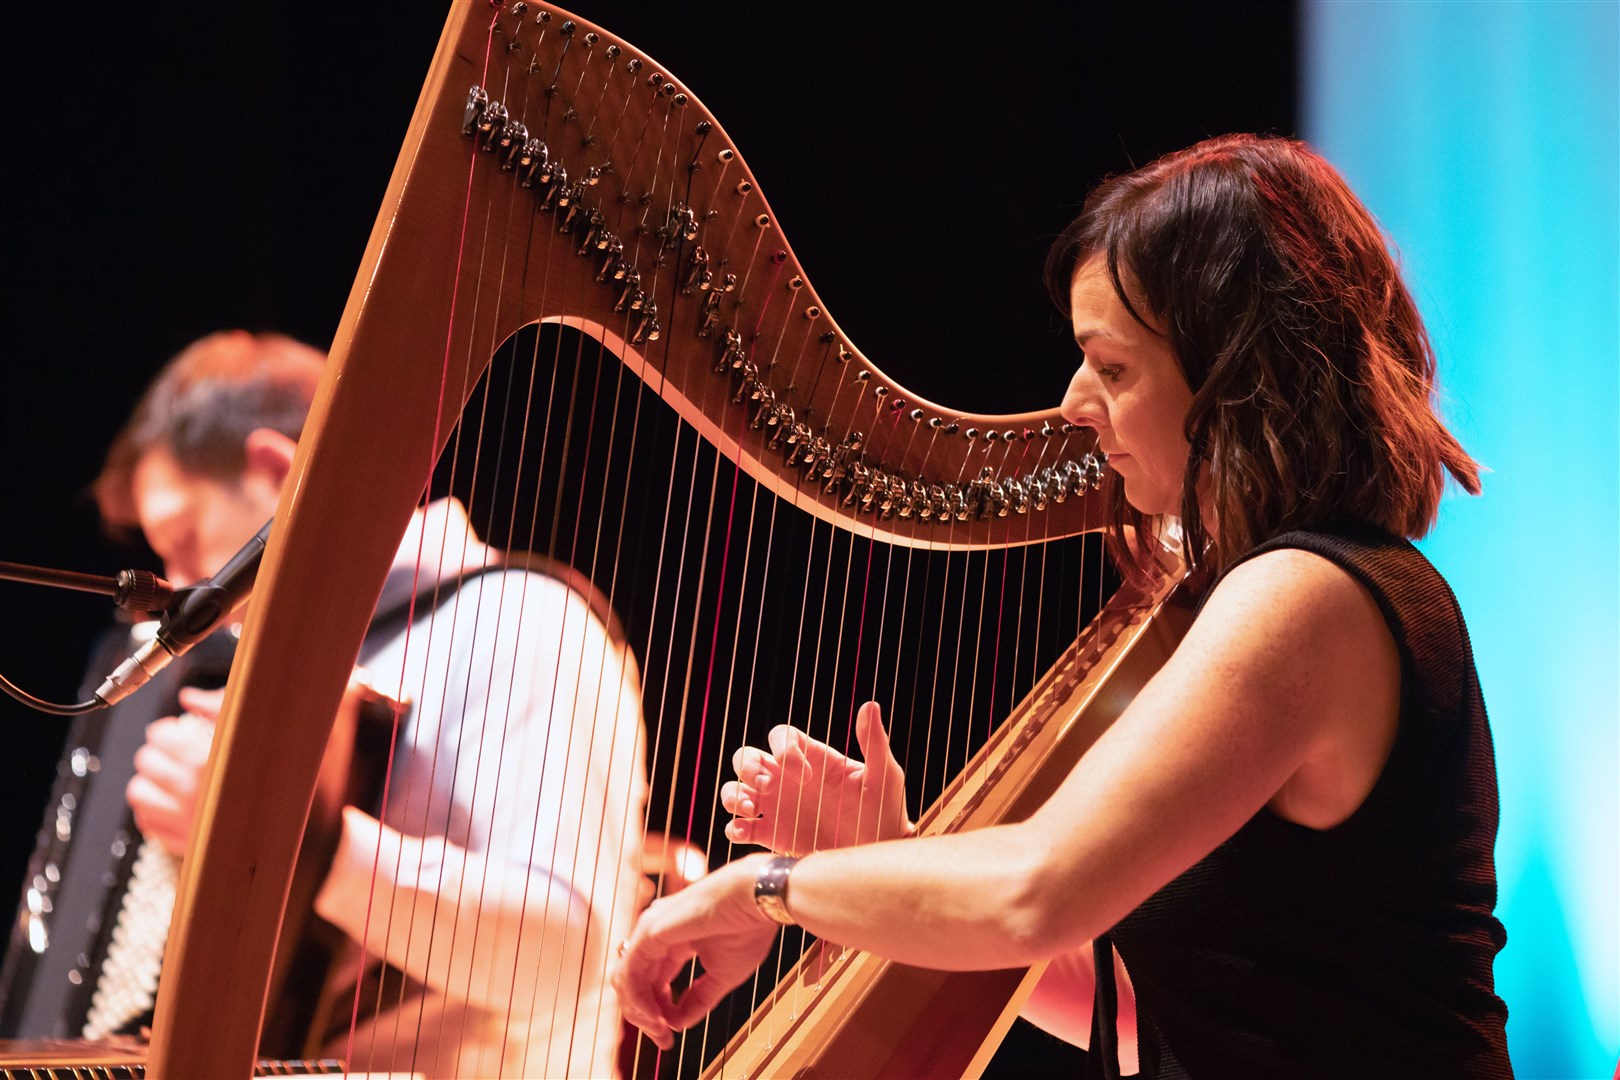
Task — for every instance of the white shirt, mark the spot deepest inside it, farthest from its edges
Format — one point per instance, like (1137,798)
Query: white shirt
(510,856)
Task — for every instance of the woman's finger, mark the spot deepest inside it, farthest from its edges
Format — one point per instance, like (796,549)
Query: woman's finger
(739,799)
(870,734)
(748,762)
(792,750)
(699,998)
(634,982)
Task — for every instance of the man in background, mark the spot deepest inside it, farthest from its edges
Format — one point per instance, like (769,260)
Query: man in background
(512,836)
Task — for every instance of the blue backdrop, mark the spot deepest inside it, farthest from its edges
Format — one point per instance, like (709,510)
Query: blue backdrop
(1485,136)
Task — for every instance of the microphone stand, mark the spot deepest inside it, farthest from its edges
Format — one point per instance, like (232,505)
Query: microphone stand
(189,615)
(132,590)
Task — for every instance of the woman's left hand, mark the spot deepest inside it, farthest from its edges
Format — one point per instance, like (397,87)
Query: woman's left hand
(715,921)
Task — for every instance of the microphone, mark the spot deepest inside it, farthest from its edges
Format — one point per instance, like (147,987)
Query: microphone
(195,612)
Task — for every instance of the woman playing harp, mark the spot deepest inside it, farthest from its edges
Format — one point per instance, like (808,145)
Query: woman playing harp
(1288,835)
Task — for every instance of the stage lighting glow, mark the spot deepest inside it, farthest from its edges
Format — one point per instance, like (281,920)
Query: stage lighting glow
(1486,137)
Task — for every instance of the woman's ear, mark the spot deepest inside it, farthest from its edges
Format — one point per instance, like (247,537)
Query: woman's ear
(269,458)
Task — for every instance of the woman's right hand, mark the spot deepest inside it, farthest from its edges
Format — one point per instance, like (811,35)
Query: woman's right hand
(805,796)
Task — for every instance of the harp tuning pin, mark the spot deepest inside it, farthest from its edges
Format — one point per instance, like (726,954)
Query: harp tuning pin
(698,275)
(936,423)
(812,313)
(490,124)
(915,414)
(477,100)
(844,355)
(828,337)
(633,65)
(971,433)
(863,376)
(881,391)
(797,282)
(763,221)
(519,8)
(703,127)
(542,17)
(1028,434)
(592,39)
(897,404)
(1066,428)
(680,100)
(1012,436)
(1046,429)
(568,28)
(952,428)
(612,52)
(514,141)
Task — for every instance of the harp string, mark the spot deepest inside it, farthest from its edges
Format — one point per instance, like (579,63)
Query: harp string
(442,889)
(985,592)
(725,740)
(712,565)
(840,638)
(361,962)
(883,612)
(812,707)
(559,676)
(444,690)
(573,559)
(504,726)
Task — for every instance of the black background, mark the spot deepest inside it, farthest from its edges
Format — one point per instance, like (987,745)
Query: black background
(177,168)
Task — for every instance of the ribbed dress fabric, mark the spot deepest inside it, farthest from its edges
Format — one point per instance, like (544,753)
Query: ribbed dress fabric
(1364,950)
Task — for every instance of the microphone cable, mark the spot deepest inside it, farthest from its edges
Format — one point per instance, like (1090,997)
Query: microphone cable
(132,590)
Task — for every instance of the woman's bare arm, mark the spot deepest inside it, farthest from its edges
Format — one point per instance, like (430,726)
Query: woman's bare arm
(1290,663)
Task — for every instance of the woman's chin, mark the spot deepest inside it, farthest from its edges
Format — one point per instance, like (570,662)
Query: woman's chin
(1150,504)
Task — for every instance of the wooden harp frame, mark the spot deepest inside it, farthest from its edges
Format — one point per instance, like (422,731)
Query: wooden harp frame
(422,320)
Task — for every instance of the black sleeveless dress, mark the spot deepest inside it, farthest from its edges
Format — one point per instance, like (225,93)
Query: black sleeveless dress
(1361,951)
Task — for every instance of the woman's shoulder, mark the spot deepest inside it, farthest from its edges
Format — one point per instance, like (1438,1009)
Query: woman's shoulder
(1300,593)
(1413,599)
(1319,636)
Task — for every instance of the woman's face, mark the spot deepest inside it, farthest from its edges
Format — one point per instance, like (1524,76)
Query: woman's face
(1130,389)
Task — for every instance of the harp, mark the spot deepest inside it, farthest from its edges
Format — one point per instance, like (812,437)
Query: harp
(551,175)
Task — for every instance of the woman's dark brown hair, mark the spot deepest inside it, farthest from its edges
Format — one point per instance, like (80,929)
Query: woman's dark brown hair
(1312,376)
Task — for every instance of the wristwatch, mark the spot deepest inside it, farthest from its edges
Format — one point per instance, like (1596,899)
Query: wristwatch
(771,887)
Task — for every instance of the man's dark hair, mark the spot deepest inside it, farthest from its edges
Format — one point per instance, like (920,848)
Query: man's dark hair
(203,406)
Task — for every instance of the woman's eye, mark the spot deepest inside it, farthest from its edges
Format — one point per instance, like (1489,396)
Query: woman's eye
(1111,372)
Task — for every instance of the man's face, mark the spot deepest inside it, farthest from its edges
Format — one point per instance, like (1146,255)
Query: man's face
(195,523)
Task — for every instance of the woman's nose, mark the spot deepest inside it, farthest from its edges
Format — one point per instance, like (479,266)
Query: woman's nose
(1080,400)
